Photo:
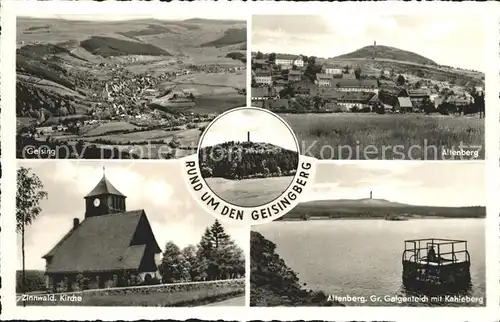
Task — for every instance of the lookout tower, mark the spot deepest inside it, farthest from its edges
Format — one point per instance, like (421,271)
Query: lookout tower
(374,49)
(371,194)
(248,136)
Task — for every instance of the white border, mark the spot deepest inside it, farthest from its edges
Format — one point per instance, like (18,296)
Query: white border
(11,8)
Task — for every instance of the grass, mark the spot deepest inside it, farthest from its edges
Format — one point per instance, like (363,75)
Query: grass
(249,192)
(109,127)
(392,137)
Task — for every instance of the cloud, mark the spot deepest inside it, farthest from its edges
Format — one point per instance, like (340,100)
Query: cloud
(430,183)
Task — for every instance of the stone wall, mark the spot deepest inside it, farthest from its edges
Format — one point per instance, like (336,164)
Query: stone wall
(211,288)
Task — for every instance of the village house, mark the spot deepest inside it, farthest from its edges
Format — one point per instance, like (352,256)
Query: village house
(111,247)
(331,70)
(389,95)
(359,99)
(328,94)
(458,101)
(294,75)
(304,89)
(273,104)
(403,104)
(417,96)
(324,79)
(386,83)
(348,76)
(261,62)
(287,61)
(364,85)
(263,93)
(263,78)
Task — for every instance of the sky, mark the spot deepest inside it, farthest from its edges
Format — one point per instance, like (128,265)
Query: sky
(171,15)
(263,127)
(155,187)
(449,184)
(457,41)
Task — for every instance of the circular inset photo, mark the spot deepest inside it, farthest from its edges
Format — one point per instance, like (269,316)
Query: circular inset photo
(248,156)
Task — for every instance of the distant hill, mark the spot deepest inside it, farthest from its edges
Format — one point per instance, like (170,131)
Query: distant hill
(231,37)
(108,46)
(211,21)
(244,160)
(378,208)
(386,52)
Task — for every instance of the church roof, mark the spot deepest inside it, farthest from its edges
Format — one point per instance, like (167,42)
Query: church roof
(103,243)
(104,187)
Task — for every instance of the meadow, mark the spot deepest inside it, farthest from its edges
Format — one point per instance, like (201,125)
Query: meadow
(249,192)
(392,137)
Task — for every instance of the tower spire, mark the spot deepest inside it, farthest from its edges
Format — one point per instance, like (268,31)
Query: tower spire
(103,171)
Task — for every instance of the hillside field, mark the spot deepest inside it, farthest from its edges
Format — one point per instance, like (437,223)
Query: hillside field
(249,192)
(397,133)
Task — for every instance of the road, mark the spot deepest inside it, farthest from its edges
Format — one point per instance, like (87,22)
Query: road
(235,301)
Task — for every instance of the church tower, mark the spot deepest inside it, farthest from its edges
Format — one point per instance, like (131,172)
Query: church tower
(104,199)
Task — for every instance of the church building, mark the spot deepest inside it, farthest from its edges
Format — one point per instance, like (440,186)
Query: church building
(110,247)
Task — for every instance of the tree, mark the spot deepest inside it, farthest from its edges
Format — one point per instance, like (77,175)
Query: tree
(427,106)
(259,55)
(172,266)
(218,257)
(288,91)
(28,196)
(400,80)
(272,57)
(189,255)
(357,73)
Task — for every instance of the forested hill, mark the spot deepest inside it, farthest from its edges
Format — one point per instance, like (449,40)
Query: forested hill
(244,160)
(378,208)
(387,52)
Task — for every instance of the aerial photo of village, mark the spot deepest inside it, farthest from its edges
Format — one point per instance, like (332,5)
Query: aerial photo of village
(369,91)
(137,88)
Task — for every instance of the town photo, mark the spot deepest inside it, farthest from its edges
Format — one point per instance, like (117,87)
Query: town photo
(377,87)
(121,235)
(128,87)
(248,157)
(380,233)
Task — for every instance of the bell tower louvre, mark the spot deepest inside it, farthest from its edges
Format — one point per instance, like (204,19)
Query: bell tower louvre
(104,199)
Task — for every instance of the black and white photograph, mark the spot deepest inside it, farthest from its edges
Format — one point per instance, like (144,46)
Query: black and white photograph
(125,87)
(381,233)
(114,234)
(374,87)
(248,157)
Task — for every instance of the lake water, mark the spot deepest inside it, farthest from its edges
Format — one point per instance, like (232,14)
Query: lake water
(363,257)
